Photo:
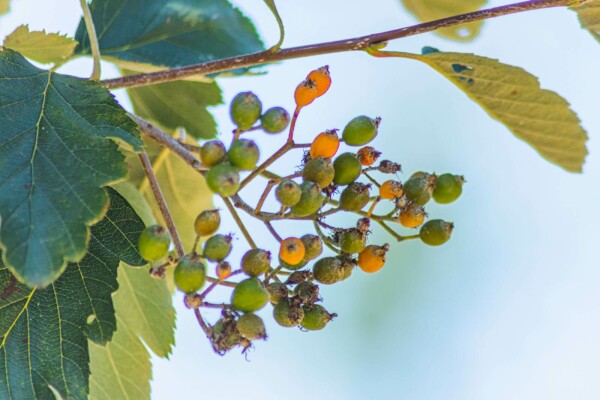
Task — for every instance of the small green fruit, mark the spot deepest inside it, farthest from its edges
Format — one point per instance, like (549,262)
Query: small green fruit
(245,110)
(360,130)
(153,243)
(288,193)
(347,169)
(189,274)
(256,262)
(212,153)
(251,326)
(319,170)
(217,247)
(207,222)
(277,292)
(275,120)
(448,188)
(328,270)
(352,241)
(355,196)
(243,154)
(419,189)
(316,317)
(311,200)
(223,180)
(436,232)
(288,313)
(313,246)
(249,295)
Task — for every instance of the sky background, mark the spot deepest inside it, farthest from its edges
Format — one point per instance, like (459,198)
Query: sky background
(508,309)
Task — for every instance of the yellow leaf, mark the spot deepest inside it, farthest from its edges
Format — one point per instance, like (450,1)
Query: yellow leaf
(40,46)
(589,16)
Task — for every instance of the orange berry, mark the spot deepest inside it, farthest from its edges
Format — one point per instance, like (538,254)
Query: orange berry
(412,216)
(390,190)
(372,258)
(325,145)
(306,93)
(292,250)
(367,156)
(321,78)
(223,270)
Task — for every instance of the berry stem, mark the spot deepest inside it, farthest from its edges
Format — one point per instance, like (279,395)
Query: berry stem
(91,31)
(326,240)
(369,177)
(239,222)
(201,322)
(273,231)
(268,189)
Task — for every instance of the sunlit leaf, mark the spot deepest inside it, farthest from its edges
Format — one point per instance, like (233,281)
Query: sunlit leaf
(39,45)
(589,16)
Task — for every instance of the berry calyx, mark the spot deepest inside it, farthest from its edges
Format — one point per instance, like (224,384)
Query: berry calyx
(223,179)
(245,110)
(360,130)
(153,243)
(412,216)
(277,292)
(292,251)
(319,170)
(288,193)
(275,120)
(256,262)
(251,326)
(347,169)
(372,258)
(288,313)
(249,295)
(367,156)
(326,144)
(307,291)
(436,232)
(306,93)
(311,200)
(355,196)
(212,153)
(313,246)
(321,78)
(189,274)
(243,154)
(207,222)
(316,317)
(391,189)
(217,247)
(448,188)
(352,241)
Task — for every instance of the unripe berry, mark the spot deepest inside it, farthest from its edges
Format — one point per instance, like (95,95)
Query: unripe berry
(412,216)
(212,153)
(292,251)
(153,243)
(360,130)
(313,246)
(256,262)
(352,241)
(306,93)
(391,189)
(355,196)
(251,326)
(245,110)
(419,189)
(207,222)
(347,169)
(275,120)
(277,292)
(326,144)
(243,154)
(319,170)
(367,156)
(448,188)
(316,317)
(321,78)
(436,232)
(288,313)
(249,295)
(189,274)
(328,270)
(307,291)
(217,247)
(372,258)
(288,193)
(223,180)
(311,200)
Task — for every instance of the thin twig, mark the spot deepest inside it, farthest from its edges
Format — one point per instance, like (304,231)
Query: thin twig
(205,328)
(91,30)
(273,231)
(239,222)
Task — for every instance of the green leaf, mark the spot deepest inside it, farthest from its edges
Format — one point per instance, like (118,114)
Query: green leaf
(54,160)
(44,332)
(513,96)
(273,8)
(40,46)
(169,33)
(589,16)
(4,6)
(178,104)
(429,10)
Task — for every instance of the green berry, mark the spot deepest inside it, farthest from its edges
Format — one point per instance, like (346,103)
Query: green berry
(189,274)
(448,188)
(311,200)
(352,241)
(243,154)
(251,326)
(347,169)
(256,262)
(316,317)
(207,222)
(275,120)
(277,292)
(328,270)
(217,247)
(313,246)
(355,196)
(436,232)
(153,243)
(360,130)
(245,110)
(294,267)
(320,171)
(212,153)
(249,295)
(307,291)
(288,193)
(223,180)
(419,189)
(288,313)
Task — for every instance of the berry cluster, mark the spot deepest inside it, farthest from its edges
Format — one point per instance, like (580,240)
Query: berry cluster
(327,183)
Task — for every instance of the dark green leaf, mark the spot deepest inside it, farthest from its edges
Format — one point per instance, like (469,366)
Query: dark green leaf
(589,16)
(54,159)
(44,332)
(169,33)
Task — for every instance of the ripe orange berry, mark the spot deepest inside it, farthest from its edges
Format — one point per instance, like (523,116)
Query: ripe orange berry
(321,78)
(390,190)
(367,156)
(412,216)
(306,93)
(223,270)
(292,250)
(372,258)
(325,145)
